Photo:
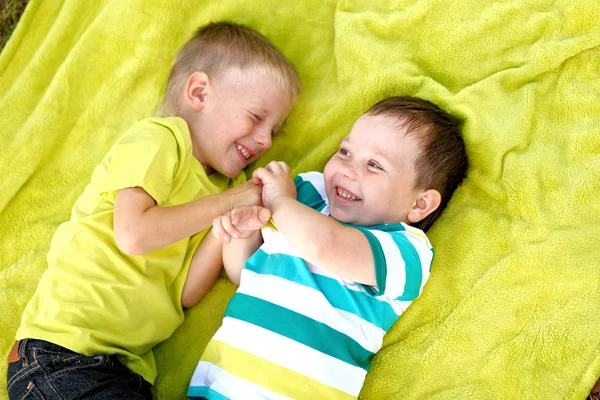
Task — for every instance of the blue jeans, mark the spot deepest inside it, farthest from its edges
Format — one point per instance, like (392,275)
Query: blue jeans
(45,370)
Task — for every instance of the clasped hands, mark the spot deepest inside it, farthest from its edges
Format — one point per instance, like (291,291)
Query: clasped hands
(276,184)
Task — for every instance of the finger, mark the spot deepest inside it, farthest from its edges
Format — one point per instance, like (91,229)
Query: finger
(273,167)
(240,216)
(228,226)
(284,167)
(259,217)
(261,174)
(218,230)
(257,173)
(264,214)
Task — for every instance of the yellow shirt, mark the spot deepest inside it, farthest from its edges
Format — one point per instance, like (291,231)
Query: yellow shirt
(94,299)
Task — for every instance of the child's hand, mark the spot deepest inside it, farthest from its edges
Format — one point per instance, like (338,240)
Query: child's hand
(240,222)
(245,194)
(276,181)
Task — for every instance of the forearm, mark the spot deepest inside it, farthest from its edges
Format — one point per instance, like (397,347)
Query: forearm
(141,226)
(237,252)
(323,241)
(204,270)
(158,227)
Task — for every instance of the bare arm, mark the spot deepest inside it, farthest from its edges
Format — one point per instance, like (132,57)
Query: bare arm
(242,224)
(204,270)
(236,253)
(142,226)
(319,239)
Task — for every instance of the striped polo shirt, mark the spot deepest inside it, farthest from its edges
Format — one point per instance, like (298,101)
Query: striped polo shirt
(295,331)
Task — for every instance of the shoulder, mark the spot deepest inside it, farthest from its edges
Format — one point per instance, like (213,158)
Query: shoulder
(159,132)
(403,256)
(399,235)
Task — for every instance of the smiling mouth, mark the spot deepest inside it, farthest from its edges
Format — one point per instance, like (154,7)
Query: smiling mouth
(245,152)
(346,195)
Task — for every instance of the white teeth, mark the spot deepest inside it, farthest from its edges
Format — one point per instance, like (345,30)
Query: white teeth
(243,151)
(346,195)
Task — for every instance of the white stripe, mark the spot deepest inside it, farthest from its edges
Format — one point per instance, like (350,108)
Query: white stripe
(425,255)
(231,386)
(275,243)
(398,306)
(420,245)
(292,355)
(395,265)
(312,304)
(418,233)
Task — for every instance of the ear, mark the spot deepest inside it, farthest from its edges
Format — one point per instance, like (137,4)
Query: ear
(197,88)
(426,202)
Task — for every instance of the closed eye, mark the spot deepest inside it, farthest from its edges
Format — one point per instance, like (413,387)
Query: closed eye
(255,117)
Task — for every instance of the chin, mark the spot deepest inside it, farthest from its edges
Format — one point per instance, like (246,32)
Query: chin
(342,218)
(231,175)
(228,172)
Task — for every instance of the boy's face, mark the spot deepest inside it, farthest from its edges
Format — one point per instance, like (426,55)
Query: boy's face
(242,112)
(371,179)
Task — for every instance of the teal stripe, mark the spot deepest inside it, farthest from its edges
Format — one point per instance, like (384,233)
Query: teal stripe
(396,227)
(204,391)
(295,270)
(299,328)
(413,271)
(378,259)
(307,194)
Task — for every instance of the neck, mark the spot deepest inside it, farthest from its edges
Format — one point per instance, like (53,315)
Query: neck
(208,169)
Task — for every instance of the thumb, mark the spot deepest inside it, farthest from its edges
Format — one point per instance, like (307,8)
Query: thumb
(264,214)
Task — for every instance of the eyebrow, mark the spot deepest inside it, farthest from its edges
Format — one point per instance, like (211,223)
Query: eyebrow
(382,155)
(379,153)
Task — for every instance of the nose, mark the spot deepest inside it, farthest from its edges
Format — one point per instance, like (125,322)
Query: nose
(263,138)
(348,171)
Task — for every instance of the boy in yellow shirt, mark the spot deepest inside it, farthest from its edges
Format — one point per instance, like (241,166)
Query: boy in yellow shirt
(128,261)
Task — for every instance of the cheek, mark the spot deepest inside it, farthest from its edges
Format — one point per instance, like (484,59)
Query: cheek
(328,173)
(379,194)
(330,169)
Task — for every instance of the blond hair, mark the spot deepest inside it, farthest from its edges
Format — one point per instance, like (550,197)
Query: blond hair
(218,46)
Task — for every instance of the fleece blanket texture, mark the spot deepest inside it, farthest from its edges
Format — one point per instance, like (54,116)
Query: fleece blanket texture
(512,309)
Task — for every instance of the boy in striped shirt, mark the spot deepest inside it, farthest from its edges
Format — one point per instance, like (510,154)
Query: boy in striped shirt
(345,256)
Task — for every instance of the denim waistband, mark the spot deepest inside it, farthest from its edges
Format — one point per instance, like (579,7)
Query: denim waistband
(30,344)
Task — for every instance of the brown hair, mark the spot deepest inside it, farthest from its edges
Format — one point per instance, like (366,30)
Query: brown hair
(443,163)
(221,45)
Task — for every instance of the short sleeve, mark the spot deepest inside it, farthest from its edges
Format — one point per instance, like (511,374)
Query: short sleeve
(310,190)
(402,262)
(146,156)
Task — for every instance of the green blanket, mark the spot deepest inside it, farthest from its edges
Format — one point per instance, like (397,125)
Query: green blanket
(512,307)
